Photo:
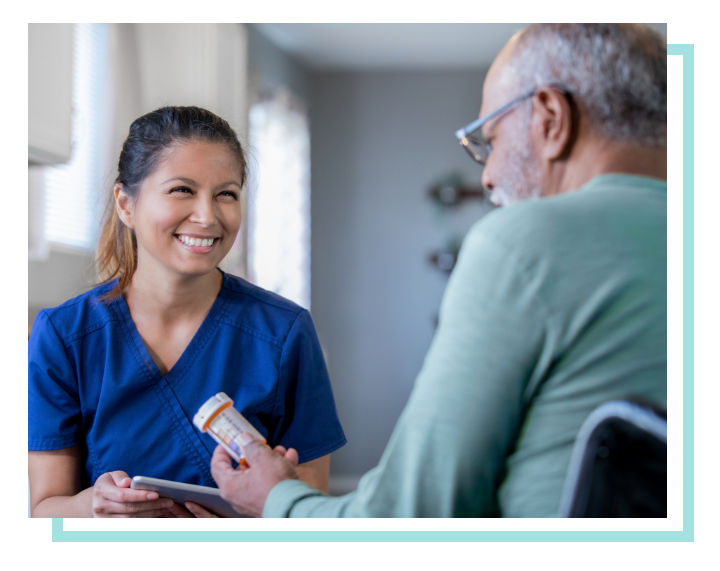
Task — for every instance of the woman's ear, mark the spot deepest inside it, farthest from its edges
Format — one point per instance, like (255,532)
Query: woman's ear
(123,206)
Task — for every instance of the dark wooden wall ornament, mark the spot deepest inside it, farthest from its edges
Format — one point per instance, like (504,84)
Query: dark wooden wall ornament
(456,194)
(446,258)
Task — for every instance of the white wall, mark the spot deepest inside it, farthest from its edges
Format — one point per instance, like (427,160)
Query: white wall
(378,142)
(50,60)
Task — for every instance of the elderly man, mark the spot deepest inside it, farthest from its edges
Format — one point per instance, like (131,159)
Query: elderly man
(556,305)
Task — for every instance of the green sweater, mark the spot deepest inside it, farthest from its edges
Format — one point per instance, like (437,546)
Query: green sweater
(555,306)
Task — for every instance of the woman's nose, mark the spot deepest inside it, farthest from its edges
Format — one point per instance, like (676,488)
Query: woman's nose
(204,212)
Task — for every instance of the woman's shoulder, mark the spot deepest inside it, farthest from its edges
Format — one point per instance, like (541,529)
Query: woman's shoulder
(259,308)
(250,293)
(83,313)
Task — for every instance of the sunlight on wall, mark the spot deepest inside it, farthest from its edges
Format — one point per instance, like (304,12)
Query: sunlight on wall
(279,199)
(72,190)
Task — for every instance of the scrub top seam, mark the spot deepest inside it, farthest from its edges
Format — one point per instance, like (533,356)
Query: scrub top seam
(70,361)
(54,444)
(249,290)
(178,423)
(87,331)
(147,369)
(93,457)
(323,450)
(82,298)
(248,330)
(279,365)
(200,345)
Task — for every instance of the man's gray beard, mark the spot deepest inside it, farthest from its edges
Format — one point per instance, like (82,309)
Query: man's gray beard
(522,180)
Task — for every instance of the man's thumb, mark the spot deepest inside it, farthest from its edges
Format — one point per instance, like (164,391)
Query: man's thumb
(249,445)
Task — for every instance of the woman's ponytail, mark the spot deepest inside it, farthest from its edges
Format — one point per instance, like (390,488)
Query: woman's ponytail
(116,255)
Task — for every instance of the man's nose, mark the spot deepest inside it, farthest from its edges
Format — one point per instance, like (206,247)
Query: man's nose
(487,179)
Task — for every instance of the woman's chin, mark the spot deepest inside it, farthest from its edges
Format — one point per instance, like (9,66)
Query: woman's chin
(196,269)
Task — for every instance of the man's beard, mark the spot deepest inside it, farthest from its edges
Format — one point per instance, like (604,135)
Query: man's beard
(522,179)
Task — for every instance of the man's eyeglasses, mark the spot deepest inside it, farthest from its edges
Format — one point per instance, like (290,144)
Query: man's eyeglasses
(476,145)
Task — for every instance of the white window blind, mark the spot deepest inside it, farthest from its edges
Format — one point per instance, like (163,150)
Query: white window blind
(279,200)
(72,191)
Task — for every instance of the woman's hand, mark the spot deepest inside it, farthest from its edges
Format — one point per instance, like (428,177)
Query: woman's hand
(191,509)
(112,497)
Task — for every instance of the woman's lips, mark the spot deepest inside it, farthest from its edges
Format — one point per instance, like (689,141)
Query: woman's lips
(198,249)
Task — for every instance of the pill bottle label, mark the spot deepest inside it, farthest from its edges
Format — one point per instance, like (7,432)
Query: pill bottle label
(225,424)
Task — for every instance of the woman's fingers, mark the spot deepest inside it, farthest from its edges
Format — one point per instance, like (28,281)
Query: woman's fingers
(198,511)
(134,509)
(152,513)
(120,478)
(124,496)
(179,510)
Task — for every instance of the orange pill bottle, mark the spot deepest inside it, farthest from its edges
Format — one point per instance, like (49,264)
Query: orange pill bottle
(225,424)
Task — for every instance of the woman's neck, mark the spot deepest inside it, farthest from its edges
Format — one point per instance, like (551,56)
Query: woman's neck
(169,298)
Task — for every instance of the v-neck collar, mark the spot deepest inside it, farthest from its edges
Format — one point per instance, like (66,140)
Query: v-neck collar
(193,349)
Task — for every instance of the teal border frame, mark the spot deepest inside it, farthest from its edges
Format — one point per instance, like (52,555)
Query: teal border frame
(687,534)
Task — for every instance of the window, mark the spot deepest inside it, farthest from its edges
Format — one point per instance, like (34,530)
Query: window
(279,199)
(72,191)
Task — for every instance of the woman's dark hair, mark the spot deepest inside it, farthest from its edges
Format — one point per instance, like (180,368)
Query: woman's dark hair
(150,137)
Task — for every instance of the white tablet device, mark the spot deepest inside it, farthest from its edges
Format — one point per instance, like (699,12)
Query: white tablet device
(178,492)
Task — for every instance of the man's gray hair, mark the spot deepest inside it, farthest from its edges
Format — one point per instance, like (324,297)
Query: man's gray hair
(616,72)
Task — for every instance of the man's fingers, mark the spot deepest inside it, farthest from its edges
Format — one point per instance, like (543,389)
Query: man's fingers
(220,465)
(252,447)
(292,456)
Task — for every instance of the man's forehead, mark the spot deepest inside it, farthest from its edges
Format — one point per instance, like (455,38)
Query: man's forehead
(498,86)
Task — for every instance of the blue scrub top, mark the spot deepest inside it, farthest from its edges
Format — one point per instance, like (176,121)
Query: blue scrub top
(92,381)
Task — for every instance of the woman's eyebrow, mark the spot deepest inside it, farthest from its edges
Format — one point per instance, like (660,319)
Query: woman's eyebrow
(191,181)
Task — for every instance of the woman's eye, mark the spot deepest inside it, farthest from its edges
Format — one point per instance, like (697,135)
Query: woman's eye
(182,189)
(230,193)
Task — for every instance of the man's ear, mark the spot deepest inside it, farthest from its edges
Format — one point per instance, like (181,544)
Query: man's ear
(123,206)
(552,123)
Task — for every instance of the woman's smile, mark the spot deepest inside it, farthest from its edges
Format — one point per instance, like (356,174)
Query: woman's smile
(196,243)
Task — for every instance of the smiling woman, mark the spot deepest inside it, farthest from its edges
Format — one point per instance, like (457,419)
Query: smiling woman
(116,374)
(162,152)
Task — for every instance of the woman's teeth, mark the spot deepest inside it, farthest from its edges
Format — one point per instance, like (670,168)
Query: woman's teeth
(197,241)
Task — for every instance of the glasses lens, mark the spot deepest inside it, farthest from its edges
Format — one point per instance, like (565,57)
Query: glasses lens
(477,148)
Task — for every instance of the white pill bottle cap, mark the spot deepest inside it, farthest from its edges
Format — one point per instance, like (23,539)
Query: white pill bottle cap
(212,407)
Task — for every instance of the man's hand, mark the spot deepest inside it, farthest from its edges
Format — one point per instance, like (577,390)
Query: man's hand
(248,488)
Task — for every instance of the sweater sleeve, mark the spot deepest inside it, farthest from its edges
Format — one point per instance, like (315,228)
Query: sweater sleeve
(447,454)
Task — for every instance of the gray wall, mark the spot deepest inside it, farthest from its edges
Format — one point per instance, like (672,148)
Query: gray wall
(379,140)
(277,69)
(55,280)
